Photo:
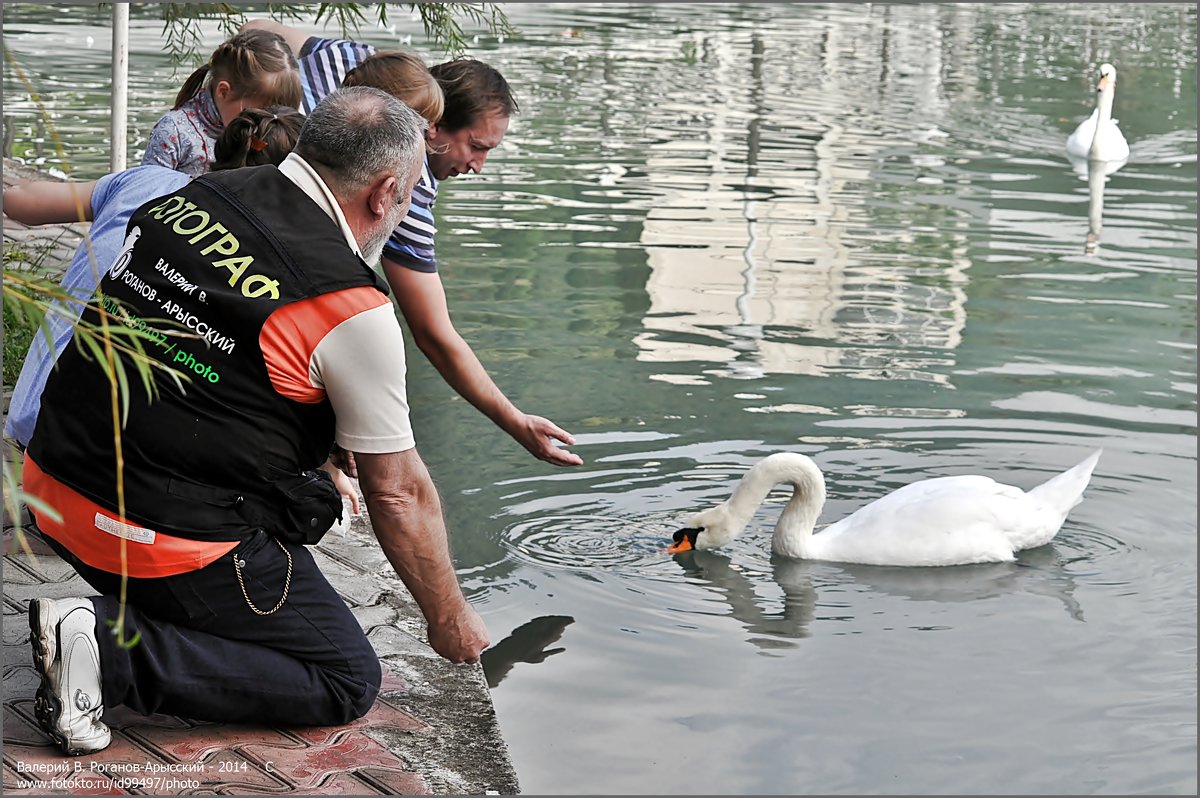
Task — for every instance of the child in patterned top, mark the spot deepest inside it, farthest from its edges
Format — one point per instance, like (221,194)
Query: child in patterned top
(253,69)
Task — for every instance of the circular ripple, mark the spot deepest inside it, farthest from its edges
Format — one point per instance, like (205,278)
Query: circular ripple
(590,542)
(1084,549)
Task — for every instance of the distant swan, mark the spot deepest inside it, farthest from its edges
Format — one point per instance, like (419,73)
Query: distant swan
(940,521)
(1098,138)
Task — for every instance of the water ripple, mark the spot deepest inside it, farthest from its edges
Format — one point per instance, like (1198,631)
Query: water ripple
(592,542)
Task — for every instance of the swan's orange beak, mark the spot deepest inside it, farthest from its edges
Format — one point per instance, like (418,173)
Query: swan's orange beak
(685,540)
(1105,82)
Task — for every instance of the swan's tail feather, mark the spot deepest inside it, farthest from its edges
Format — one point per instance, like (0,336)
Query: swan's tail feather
(1053,499)
(1066,490)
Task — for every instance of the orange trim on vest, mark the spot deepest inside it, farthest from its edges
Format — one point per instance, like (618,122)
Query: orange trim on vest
(292,333)
(95,535)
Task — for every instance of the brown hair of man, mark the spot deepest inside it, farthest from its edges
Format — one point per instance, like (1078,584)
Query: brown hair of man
(472,89)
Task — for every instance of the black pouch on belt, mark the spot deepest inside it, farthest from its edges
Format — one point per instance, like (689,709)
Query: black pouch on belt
(311,505)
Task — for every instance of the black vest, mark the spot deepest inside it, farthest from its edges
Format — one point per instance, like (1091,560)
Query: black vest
(200,273)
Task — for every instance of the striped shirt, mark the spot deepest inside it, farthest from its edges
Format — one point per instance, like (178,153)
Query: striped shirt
(324,64)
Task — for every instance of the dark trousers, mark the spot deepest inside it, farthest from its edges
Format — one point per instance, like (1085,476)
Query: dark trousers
(202,653)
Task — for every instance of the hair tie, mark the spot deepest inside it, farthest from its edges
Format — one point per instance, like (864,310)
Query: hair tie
(257,144)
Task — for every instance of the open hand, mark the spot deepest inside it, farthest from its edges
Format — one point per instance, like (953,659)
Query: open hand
(538,434)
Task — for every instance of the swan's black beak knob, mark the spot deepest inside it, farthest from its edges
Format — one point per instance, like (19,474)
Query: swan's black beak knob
(685,540)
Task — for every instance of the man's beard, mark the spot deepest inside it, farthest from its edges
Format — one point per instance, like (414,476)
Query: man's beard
(372,249)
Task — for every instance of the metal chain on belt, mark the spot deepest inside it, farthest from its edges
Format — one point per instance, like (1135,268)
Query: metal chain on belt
(238,564)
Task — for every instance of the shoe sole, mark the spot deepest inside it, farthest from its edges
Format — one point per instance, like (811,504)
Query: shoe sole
(46,706)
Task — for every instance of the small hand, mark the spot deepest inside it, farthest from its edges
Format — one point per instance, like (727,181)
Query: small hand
(344,460)
(538,434)
(344,485)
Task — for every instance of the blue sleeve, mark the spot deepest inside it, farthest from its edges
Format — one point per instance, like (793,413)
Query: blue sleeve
(324,64)
(105,189)
(79,281)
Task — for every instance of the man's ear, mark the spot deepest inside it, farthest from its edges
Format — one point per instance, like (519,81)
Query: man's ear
(382,196)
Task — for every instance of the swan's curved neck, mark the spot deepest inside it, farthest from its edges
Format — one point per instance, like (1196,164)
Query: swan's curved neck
(1105,103)
(793,531)
(1104,107)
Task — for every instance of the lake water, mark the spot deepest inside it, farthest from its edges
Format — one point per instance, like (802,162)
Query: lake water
(720,231)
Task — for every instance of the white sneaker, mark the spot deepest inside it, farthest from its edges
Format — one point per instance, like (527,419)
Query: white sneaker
(66,655)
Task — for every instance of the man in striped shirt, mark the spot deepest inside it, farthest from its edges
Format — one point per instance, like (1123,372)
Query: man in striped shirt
(478,105)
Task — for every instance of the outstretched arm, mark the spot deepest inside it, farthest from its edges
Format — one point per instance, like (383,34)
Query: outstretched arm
(406,516)
(49,202)
(422,300)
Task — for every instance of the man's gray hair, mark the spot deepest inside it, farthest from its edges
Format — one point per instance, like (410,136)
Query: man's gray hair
(356,133)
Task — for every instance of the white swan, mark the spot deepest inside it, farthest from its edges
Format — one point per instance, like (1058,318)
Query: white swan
(1098,138)
(941,521)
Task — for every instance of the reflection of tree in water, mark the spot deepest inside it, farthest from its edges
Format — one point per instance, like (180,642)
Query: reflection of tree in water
(1037,571)
(527,643)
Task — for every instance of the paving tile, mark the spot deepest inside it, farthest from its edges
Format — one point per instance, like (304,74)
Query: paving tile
(308,767)
(392,683)
(357,588)
(358,551)
(13,780)
(197,744)
(46,757)
(20,678)
(395,641)
(229,772)
(21,730)
(16,629)
(71,783)
(338,784)
(374,615)
(396,782)
(382,716)
(40,568)
(17,573)
(126,718)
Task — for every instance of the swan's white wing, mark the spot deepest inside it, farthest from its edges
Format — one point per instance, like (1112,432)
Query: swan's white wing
(943,521)
(1112,145)
(1079,142)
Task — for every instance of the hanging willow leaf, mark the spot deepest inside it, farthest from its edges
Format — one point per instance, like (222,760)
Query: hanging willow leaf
(441,22)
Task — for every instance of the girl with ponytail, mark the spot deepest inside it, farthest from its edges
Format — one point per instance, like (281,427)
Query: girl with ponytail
(258,136)
(253,69)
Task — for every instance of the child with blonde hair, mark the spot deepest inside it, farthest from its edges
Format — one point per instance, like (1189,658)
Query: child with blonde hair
(405,77)
(253,69)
